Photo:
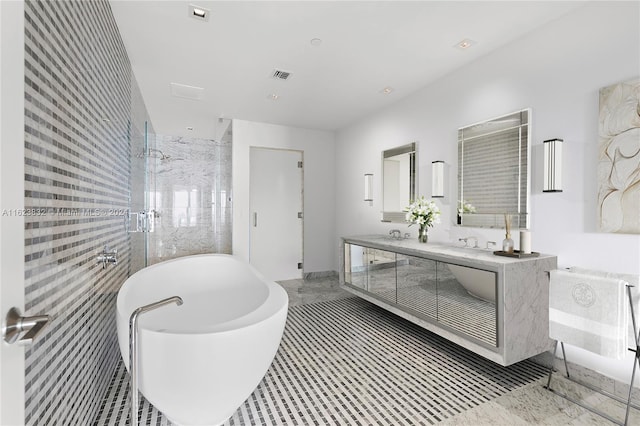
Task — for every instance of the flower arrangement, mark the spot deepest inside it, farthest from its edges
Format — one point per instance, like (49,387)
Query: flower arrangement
(423,213)
(465,207)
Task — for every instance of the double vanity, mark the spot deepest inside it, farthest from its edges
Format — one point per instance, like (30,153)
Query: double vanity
(494,306)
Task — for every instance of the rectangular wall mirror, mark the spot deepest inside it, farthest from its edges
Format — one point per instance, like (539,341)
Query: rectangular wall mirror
(399,181)
(493,171)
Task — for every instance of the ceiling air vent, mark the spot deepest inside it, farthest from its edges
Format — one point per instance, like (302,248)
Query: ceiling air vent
(281,74)
(188,92)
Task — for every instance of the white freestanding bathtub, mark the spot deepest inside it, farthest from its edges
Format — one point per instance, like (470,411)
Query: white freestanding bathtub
(200,361)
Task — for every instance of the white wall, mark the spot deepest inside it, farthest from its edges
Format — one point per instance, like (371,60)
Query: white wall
(557,71)
(319,183)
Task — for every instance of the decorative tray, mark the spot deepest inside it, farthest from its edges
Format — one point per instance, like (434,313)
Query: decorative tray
(516,254)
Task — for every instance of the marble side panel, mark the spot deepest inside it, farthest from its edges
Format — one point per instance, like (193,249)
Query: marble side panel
(526,308)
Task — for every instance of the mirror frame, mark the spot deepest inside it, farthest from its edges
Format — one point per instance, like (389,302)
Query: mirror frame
(495,219)
(411,148)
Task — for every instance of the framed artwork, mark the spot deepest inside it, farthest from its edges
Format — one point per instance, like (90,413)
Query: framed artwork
(619,158)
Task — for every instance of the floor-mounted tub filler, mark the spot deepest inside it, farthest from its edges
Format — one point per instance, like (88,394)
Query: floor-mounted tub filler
(198,362)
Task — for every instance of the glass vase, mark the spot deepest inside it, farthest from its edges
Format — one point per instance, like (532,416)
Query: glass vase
(423,237)
(507,244)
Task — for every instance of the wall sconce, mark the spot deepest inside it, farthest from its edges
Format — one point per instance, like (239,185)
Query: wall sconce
(437,179)
(552,165)
(368,187)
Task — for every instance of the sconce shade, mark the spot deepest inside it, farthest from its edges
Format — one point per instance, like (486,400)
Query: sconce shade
(437,179)
(368,187)
(552,165)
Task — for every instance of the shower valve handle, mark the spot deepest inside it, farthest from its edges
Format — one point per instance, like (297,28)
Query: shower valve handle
(107,257)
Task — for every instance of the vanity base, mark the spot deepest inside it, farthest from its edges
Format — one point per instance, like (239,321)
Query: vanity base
(507,328)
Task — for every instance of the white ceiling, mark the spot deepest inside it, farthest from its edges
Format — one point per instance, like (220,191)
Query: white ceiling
(366,46)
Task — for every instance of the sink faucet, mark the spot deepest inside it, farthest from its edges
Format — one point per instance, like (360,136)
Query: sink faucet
(466,241)
(395,233)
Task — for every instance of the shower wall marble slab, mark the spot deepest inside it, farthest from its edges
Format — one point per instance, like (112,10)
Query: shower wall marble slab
(191,194)
(80,100)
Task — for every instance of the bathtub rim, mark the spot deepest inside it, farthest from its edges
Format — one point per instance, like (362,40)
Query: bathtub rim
(272,298)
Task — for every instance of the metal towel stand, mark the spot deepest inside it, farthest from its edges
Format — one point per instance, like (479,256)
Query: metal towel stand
(133,349)
(636,363)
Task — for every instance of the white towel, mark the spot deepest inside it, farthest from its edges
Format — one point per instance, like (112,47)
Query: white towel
(589,311)
(634,281)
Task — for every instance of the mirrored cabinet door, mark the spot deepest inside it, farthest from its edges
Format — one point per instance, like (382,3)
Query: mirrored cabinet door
(467,301)
(382,274)
(355,265)
(417,285)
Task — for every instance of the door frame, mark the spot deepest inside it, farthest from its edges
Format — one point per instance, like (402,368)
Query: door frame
(12,357)
(251,147)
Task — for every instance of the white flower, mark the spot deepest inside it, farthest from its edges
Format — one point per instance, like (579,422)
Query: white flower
(422,212)
(465,207)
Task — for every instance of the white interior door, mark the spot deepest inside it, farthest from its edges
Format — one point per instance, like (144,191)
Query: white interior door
(12,373)
(275,201)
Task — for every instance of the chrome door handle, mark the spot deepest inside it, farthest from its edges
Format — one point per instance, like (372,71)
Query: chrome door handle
(23,330)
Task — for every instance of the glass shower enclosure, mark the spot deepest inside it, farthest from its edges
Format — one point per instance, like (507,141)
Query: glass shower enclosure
(181,195)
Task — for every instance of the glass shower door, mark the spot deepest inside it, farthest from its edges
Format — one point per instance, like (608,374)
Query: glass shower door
(140,221)
(181,195)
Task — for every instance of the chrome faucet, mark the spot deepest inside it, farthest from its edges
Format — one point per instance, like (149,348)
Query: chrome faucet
(133,349)
(395,234)
(466,241)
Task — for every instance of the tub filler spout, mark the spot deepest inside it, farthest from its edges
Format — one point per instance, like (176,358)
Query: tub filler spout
(133,349)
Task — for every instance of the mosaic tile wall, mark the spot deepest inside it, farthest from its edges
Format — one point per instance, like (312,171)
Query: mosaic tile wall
(191,194)
(78,111)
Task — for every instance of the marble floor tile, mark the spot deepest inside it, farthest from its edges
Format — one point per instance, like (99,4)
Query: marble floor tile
(344,361)
(302,292)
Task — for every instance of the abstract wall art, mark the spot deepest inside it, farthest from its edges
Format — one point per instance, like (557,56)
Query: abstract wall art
(619,158)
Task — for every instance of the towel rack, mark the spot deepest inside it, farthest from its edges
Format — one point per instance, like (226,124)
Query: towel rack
(636,363)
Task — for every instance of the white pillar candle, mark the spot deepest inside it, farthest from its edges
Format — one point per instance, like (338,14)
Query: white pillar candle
(525,241)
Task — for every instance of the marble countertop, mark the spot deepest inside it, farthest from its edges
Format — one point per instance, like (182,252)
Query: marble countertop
(437,251)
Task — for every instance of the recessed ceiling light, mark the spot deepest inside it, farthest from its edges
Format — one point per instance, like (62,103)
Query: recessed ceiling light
(199,13)
(316,42)
(273,97)
(465,44)
(387,90)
